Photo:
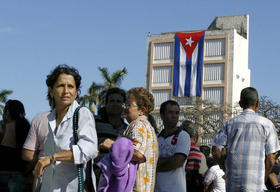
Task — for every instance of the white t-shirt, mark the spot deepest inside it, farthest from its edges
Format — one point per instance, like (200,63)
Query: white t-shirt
(174,180)
(215,174)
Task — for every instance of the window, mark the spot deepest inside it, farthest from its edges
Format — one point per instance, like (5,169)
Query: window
(214,95)
(214,72)
(214,47)
(161,96)
(163,51)
(162,76)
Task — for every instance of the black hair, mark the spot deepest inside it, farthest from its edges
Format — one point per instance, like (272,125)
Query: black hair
(164,104)
(17,113)
(248,97)
(54,74)
(153,122)
(205,150)
(211,162)
(115,90)
(15,108)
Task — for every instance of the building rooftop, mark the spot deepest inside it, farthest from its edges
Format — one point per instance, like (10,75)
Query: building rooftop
(238,22)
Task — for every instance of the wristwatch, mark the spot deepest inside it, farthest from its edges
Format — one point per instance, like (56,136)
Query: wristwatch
(52,159)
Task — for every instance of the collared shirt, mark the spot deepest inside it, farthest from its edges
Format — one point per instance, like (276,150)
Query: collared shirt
(248,138)
(145,141)
(63,175)
(174,180)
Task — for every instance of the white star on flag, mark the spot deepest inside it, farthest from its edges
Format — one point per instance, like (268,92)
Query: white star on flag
(189,41)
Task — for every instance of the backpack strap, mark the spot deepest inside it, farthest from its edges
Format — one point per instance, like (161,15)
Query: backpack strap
(76,139)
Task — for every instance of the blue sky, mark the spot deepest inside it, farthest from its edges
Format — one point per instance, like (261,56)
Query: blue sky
(35,36)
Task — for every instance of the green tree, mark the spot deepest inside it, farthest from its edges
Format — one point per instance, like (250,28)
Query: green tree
(3,99)
(113,80)
(96,93)
(110,81)
(91,98)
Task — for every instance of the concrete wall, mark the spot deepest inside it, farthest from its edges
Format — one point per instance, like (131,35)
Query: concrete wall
(241,73)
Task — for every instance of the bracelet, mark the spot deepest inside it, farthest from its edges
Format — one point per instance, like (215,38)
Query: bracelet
(277,186)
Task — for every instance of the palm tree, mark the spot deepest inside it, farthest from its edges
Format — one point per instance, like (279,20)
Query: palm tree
(92,96)
(96,93)
(111,81)
(115,79)
(3,99)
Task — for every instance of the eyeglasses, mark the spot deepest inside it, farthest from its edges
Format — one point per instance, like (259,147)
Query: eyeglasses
(129,105)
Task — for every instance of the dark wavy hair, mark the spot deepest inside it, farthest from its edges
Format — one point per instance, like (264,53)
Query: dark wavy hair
(17,113)
(54,74)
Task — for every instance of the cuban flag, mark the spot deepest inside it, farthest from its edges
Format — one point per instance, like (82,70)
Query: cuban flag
(188,63)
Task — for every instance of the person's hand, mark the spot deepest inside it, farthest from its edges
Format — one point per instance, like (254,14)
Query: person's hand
(106,144)
(41,164)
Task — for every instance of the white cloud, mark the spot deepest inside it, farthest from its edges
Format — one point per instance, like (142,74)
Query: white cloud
(5,29)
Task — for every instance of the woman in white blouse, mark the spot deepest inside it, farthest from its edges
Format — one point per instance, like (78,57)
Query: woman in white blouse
(59,167)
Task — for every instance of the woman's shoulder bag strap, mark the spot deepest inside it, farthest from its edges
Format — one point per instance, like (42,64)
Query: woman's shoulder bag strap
(76,139)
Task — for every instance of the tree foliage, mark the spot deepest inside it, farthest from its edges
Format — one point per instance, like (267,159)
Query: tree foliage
(110,81)
(270,110)
(3,99)
(96,93)
(91,98)
(208,116)
(113,80)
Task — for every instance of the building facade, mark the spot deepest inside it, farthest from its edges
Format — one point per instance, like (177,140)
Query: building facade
(225,65)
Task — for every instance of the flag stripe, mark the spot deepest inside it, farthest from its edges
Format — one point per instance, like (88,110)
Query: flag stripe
(182,69)
(200,66)
(188,77)
(193,74)
(176,66)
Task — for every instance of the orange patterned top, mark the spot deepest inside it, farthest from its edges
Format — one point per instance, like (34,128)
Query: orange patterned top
(145,141)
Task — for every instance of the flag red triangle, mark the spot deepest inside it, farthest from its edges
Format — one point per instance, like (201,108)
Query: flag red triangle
(189,41)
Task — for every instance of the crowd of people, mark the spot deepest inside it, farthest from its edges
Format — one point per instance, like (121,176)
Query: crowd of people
(119,150)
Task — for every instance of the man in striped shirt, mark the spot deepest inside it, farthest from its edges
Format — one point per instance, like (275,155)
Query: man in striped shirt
(250,141)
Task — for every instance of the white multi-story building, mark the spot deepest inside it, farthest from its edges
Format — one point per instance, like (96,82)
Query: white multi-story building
(225,66)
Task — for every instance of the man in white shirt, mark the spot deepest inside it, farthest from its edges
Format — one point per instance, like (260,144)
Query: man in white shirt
(174,146)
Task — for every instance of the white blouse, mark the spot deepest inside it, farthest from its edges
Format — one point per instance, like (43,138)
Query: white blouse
(63,175)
